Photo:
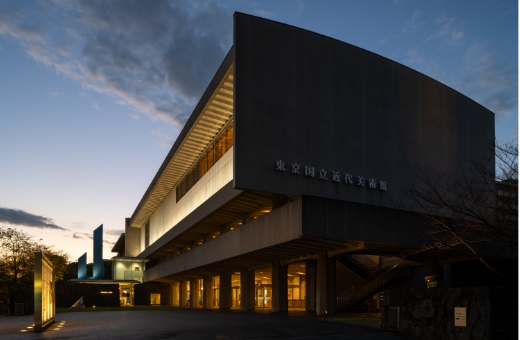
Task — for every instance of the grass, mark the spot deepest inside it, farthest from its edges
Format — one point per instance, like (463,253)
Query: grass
(112,309)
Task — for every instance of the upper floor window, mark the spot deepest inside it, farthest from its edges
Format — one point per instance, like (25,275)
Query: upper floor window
(210,157)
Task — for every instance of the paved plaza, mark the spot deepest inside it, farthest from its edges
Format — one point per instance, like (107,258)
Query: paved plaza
(187,324)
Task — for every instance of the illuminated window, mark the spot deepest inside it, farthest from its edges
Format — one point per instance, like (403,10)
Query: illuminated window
(155,299)
(210,157)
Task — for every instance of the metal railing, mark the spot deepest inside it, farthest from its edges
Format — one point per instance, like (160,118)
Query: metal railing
(366,261)
(346,299)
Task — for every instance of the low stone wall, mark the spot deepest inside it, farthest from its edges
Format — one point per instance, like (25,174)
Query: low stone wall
(429,313)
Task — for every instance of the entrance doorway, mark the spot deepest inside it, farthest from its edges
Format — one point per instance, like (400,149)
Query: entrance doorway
(296,285)
(126,294)
(235,290)
(263,284)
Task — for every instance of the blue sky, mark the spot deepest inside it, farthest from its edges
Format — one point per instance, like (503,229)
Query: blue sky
(93,93)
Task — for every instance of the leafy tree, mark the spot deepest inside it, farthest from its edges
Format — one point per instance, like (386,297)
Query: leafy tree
(17,256)
(477,215)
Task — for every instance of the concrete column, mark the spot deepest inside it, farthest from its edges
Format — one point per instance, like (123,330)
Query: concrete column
(252,289)
(193,293)
(279,287)
(331,286)
(175,294)
(325,284)
(244,289)
(225,291)
(310,285)
(182,294)
(207,300)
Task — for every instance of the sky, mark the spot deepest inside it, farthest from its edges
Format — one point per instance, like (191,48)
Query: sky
(94,93)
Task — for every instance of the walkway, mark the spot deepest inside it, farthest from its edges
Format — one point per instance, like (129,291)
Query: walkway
(188,324)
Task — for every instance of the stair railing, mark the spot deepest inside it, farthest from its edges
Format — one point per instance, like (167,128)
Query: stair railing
(371,287)
(366,261)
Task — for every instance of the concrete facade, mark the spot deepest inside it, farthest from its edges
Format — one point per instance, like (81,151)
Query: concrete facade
(326,136)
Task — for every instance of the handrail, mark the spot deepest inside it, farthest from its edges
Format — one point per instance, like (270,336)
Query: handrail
(345,301)
(366,261)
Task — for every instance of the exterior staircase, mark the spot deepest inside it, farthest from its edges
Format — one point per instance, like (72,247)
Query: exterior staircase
(349,298)
(362,265)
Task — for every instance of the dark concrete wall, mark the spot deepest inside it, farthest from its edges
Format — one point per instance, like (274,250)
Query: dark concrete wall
(340,220)
(306,98)
(68,293)
(142,293)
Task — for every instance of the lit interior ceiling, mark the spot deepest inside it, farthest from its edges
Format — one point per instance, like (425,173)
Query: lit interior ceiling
(216,113)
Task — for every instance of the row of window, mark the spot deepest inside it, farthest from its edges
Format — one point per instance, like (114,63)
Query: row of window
(210,157)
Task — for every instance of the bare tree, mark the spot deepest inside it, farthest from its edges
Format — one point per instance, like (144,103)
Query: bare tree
(477,215)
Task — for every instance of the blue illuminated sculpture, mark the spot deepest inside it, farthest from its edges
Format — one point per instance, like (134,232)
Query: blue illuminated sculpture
(98,258)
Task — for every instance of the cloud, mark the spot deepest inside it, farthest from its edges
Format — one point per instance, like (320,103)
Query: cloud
(114,232)
(413,23)
(427,66)
(155,56)
(447,31)
(489,80)
(56,93)
(20,217)
(263,13)
(95,105)
(165,137)
(82,236)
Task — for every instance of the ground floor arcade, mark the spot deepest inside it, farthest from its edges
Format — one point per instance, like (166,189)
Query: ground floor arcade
(304,285)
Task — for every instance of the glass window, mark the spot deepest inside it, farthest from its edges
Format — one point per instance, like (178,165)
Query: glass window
(209,158)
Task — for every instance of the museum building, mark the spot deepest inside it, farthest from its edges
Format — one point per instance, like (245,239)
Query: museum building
(280,191)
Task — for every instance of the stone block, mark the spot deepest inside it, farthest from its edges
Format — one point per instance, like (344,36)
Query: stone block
(479,329)
(418,331)
(482,293)
(427,312)
(473,316)
(465,336)
(419,293)
(455,292)
(421,303)
(450,327)
(416,313)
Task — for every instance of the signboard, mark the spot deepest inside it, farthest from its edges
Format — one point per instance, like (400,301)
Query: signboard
(44,294)
(333,176)
(460,316)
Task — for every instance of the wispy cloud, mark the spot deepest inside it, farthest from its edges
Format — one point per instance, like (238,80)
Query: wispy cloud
(427,66)
(263,13)
(165,137)
(155,56)
(56,93)
(114,232)
(413,23)
(82,236)
(20,217)
(489,80)
(447,31)
(95,105)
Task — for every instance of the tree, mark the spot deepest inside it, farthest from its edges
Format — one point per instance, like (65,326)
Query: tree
(17,256)
(477,215)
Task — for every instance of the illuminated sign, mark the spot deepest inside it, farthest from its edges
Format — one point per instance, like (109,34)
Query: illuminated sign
(44,294)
